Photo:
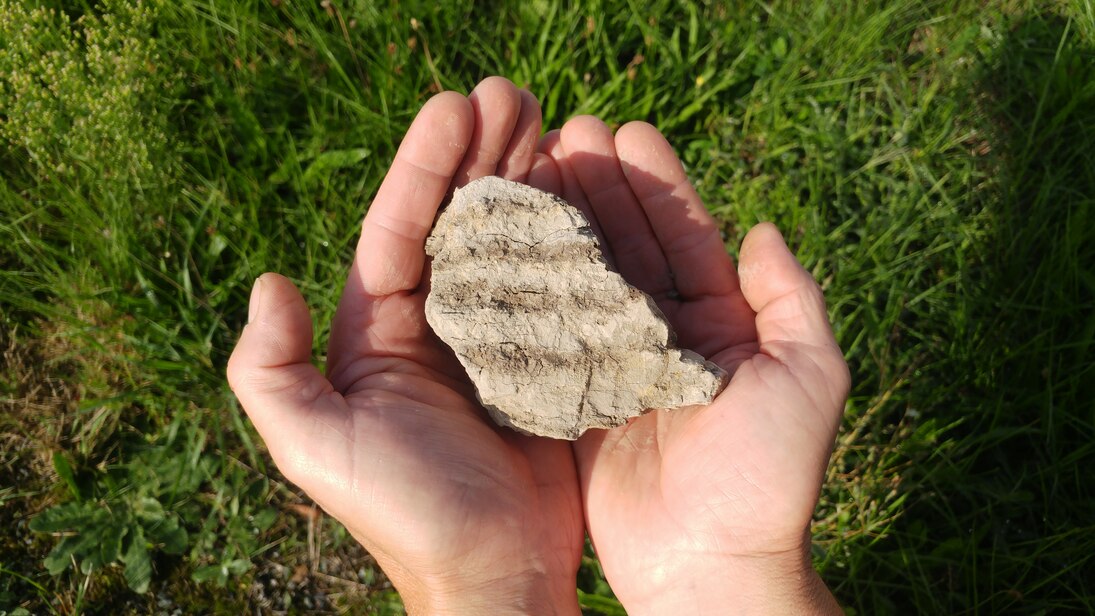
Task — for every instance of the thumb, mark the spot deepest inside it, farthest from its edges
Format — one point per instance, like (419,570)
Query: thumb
(270,370)
(792,324)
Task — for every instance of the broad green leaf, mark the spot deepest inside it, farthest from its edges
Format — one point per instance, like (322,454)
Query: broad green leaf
(64,471)
(210,573)
(148,510)
(264,519)
(138,565)
(779,48)
(217,244)
(289,164)
(110,547)
(94,526)
(328,162)
(103,546)
(175,540)
(168,534)
(68,516)
(238,566)
(60,557)
(81,546)
(220,572)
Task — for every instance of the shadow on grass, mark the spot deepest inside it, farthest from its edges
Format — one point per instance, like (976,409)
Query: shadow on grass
(1006,521)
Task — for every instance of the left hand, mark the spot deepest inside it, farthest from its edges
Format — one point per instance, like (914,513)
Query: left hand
(463,516)
(706,510)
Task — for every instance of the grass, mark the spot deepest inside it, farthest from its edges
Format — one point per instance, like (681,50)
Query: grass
(931,162)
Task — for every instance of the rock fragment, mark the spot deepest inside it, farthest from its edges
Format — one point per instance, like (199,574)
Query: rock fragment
(555,342)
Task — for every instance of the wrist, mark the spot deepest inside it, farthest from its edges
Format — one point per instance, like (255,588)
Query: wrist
(784,583)
(536,584)
(530,592)
(511,596)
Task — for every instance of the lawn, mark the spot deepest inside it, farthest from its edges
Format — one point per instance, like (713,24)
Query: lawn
(931,162)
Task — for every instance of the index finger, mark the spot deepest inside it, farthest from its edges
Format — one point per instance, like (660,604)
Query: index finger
(390,253)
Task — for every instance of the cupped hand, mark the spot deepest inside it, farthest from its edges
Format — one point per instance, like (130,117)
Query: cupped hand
(463,516)
(706,510)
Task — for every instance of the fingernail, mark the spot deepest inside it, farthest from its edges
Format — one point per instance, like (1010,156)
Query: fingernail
(256,299)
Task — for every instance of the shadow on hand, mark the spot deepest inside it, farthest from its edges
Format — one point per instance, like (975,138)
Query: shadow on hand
(648,251)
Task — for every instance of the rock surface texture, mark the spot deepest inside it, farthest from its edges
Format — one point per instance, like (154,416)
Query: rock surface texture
(554,341)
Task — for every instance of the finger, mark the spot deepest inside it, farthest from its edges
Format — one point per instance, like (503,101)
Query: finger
(591,152)
(571,188)
(687,234)
(496,106)
(270,370)
(792,323)
(390,252)
(544,175)
(518,157)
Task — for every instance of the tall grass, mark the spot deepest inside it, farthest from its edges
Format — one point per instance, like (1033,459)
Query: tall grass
(930,162)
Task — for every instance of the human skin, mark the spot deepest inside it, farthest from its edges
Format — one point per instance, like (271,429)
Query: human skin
(706,510)
(463,516)
(702,509)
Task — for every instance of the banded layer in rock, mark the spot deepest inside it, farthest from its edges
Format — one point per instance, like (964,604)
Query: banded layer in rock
(554,341)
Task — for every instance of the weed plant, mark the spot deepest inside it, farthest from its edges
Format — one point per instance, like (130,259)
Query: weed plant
(931,162)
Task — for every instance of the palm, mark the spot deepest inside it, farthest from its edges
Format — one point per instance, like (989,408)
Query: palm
(739,477)
(671,487)
(415,422)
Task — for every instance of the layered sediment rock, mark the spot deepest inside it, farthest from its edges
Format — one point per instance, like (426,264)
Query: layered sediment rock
(554,341)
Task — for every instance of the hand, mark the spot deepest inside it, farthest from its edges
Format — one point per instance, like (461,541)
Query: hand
(464,517)
(706,510)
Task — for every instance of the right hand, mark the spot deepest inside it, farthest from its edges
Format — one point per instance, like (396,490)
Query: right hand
(706,510)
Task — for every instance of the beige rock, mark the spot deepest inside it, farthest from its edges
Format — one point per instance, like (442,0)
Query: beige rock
(555,342)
